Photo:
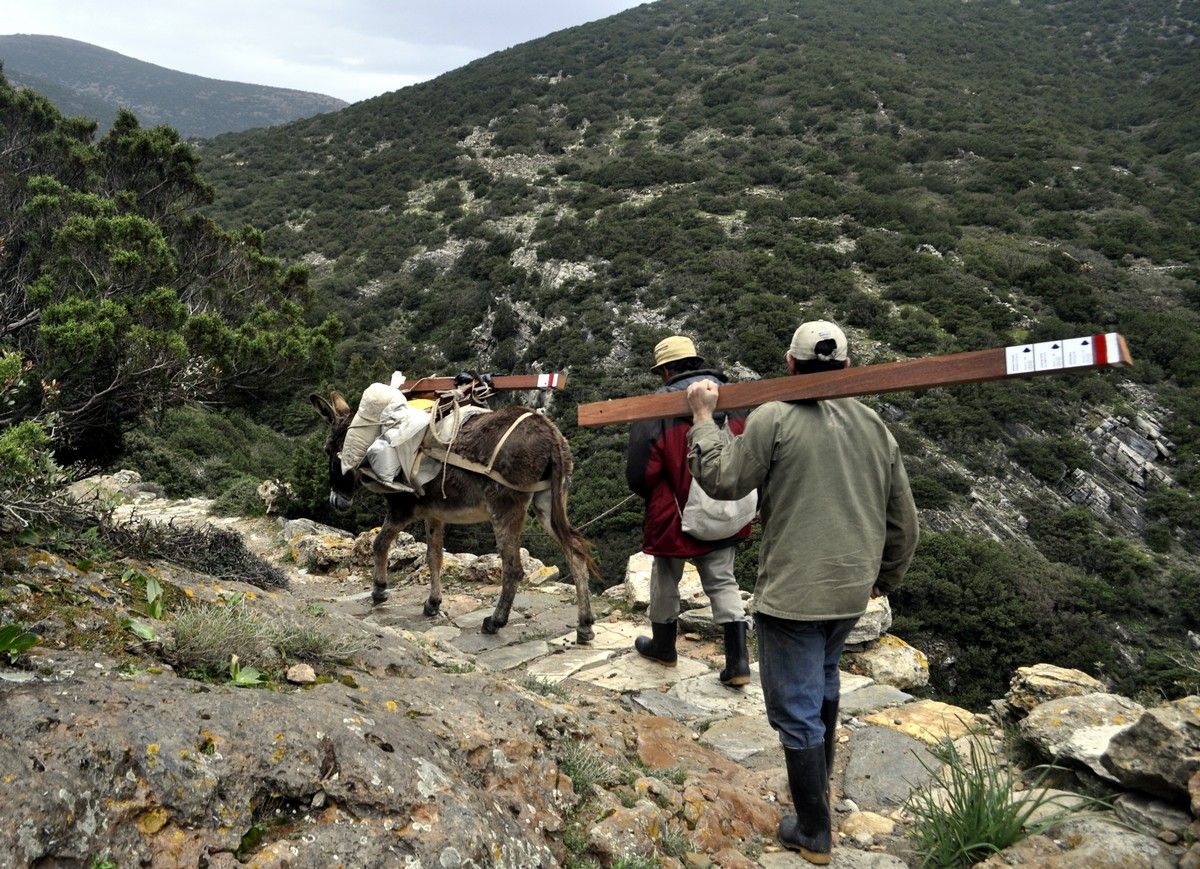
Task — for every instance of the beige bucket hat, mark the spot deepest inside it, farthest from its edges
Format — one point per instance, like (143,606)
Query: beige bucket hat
(672,349)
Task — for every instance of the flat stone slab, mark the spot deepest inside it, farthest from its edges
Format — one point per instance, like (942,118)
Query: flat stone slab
(850,682)
(699,621)
(632,672)
(618,636)
(871,699)
(666,706)
(843,858)
(445,633)
(473,620)
(884,767)
(707,692)
(745,739)
(512,656)
(556,667)
(926,720)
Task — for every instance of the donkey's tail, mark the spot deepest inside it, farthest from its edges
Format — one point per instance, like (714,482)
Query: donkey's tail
(572,541)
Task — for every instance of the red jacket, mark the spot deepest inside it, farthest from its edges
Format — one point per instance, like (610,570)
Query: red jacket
(656,468)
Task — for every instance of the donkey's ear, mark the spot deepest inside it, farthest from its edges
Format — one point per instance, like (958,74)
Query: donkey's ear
(324,408)
(340,407)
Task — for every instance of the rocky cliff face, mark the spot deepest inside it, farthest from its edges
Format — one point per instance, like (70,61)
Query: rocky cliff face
(425,742)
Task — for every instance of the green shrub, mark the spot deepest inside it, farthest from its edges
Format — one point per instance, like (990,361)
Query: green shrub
(1051,459)
(240,498)
(929,493)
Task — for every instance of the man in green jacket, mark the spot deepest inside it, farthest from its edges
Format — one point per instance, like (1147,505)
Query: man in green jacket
(839,527)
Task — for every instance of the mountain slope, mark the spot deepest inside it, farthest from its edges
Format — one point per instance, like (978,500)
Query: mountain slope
(939,177)
(84,79)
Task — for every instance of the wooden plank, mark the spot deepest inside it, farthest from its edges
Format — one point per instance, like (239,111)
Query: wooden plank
(502,382)
(1022,360)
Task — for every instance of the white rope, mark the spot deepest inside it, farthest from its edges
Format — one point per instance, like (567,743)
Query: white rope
(612,509)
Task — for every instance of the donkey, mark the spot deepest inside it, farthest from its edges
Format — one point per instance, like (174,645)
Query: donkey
(536,450)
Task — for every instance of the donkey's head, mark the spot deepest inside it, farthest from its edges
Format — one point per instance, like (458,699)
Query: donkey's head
(338,414)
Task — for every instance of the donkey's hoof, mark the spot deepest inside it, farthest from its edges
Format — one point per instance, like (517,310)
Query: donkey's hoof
(432,607)
(491,626)
(584,635)
(379,595)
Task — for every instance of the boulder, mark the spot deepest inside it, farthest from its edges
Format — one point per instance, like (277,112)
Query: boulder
(1034,685)
(1160,753)
(872,624)
(636,589)
(1079,728)
(1085,843)
(1153,817)
(318,547)
(891,661)
(405,552)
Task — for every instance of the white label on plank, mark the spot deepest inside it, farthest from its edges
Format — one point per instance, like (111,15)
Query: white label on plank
(1019,359)
(1079,352)
(1048,356)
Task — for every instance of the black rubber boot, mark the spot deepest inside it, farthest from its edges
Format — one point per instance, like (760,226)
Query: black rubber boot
(808,831)
(737,659)
(829,717)
(660,648)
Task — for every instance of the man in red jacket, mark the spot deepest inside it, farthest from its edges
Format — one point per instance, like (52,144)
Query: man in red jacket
(657,469)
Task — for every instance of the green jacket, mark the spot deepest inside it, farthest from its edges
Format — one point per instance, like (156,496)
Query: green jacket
(837,512)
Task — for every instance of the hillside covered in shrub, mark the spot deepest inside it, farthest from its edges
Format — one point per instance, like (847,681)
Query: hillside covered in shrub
(938,177)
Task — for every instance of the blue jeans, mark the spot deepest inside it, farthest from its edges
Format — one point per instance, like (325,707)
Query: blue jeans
(798,667)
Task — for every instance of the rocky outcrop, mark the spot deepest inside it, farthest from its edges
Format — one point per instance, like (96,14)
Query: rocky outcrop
(1160,752)
(1080,728)
(437,744)
(1032,686)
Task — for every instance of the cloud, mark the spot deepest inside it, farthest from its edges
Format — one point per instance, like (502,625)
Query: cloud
(353,50)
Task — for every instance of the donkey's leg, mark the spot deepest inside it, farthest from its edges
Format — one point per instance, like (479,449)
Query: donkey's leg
(380,548)
(579,573)
(508,519)
(435,536)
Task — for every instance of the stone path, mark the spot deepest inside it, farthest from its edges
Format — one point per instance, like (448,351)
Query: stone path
(882,727)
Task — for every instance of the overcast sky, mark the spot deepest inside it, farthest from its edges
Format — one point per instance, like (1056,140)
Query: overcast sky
(352,49)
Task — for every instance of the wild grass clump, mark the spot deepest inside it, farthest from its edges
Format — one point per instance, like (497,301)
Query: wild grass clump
(204,638)
(304,641)
(544,687)
(979,812)
(587,768)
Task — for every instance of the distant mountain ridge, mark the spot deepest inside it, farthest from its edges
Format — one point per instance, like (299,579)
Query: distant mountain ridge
(85,79)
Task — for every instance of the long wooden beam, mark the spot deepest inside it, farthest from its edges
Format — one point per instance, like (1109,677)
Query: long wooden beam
(554,380)
(1023,360)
